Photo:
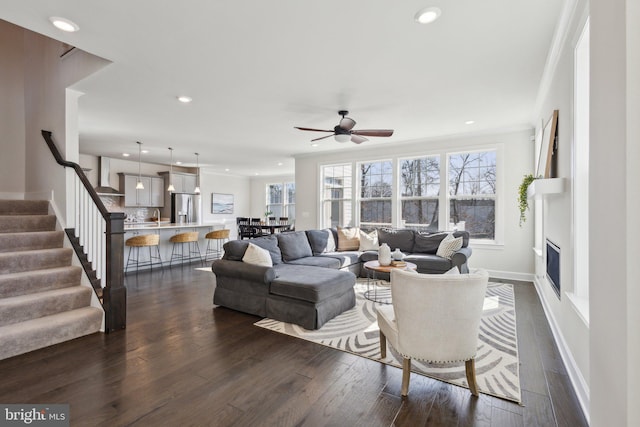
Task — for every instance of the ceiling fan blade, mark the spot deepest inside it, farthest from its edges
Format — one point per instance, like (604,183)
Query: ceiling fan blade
(373,132)
(314,130)
(322,137)
(347,123)
(358,139)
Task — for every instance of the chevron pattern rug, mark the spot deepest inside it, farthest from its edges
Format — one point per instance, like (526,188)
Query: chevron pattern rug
(497,366)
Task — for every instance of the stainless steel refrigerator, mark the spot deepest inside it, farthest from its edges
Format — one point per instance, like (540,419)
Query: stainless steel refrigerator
(185,208)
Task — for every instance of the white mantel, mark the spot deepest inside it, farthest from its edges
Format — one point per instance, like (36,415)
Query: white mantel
(541,187)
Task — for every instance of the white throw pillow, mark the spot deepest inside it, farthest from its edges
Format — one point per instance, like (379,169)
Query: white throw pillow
(369,241)
(448,246)
(257,256)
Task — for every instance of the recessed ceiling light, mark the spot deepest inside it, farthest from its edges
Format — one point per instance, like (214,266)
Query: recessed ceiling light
(226,170)
(315,144)
(256,174)
(145,151)
(178,163)
(185,99)
(427,15)
(469,122)
(125,154)
(64,24)
(279,163)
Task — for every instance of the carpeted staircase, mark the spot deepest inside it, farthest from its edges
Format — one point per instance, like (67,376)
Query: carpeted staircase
(41,300)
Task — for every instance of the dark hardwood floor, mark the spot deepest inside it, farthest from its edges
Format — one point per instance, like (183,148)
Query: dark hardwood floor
(181,362)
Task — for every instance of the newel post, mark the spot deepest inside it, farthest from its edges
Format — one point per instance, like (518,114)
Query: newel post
(114,292)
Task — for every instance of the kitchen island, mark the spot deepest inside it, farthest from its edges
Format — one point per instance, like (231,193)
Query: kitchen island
(165,230)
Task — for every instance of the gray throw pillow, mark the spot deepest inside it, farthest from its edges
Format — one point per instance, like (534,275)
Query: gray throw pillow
(401,239)
(427,243)
(294,245)
(269,243)
(321,241)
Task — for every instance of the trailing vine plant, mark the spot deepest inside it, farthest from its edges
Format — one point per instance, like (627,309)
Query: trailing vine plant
(523,201)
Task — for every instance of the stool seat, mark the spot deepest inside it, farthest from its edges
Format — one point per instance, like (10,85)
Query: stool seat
(217,236)
(190,239)
(141,241)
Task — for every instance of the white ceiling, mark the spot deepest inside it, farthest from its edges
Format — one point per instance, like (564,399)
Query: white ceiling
(257,68)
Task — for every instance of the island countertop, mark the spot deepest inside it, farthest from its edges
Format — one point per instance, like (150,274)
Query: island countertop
(135,226)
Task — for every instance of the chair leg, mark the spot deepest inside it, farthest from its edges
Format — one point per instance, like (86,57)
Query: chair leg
(383,346)
(470,367)
(406,374)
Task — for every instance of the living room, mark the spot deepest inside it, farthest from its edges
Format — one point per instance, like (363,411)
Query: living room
(592,340)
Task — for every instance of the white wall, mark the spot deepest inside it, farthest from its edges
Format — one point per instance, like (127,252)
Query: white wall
(239,186)
(570,328)
(614,177)
(12,122)
(512,258)
(48,106)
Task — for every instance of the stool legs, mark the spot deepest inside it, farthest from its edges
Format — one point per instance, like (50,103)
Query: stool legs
(136,260)
(193,252)
(214,252)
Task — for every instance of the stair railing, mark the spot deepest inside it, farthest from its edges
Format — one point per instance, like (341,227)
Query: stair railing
(101,235)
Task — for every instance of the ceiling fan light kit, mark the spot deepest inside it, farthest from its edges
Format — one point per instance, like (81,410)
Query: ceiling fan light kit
(344,132)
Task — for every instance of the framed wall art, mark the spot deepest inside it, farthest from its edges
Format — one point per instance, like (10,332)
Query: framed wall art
(548,147)
(221,203)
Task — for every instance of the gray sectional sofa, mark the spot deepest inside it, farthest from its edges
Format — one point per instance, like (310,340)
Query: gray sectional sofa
(310,281)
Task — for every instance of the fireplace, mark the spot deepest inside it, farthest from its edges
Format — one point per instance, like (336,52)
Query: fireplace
(553,266)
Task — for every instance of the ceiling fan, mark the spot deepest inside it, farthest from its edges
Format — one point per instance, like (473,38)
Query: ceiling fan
(344,132)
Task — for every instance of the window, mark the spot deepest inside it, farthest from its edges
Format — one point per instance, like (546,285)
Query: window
(419,192)
(336,195)
(472,193)
(281,199)
(376,189)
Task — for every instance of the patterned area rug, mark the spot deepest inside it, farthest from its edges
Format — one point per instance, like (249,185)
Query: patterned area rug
(497,366)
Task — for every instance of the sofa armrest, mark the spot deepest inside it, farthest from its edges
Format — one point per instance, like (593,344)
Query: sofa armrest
(243,270)
(459,259)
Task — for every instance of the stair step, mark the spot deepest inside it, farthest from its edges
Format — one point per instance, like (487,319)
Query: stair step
(29,282)
(33,306)
(38,333)
(24,207)
(15,262)
(27,223)
(15,242)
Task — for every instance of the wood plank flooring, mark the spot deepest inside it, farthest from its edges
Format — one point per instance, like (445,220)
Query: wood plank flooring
(181,362)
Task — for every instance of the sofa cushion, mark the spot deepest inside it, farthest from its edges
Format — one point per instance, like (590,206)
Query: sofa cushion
(294,245)
(428,263)
(317,261)
(321,241)
(345,258)
(369,241)
(449,246)
(348,239)
(427,243)
(313,284)
(402,239)
(257,256)
(269,243)
(368,256)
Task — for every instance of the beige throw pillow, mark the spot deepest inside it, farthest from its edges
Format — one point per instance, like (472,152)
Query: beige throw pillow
(369,241)
(348,239)
(448,246)
(257,256)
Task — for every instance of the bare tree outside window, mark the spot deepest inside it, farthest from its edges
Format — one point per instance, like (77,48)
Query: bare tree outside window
(472,193)
(337,196)
(419,192)
(376,189)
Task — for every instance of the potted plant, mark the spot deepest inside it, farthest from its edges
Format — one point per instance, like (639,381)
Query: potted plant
(267,213)
(523,201)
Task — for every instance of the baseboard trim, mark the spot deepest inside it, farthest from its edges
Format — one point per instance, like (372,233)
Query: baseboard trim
(577,380)
(11,196)
(511,275)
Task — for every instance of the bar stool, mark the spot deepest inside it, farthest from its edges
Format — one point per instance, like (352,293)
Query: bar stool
(193,249)
(137,242)
(219,236)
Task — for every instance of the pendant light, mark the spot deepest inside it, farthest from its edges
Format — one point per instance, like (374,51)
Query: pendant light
(197,189)
(139,185)
(171,188)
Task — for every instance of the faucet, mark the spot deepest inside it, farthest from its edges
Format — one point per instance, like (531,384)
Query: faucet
(156,212)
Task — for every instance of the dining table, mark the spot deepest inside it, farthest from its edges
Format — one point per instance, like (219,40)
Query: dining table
(273,227)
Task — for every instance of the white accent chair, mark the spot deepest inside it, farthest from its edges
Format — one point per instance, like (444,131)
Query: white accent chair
(434,318)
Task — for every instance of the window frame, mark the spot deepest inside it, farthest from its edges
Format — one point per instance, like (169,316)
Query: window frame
(348,200)
(285,203)
(359,199)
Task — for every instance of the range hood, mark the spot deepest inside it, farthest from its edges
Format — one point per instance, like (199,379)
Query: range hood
(105,188)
